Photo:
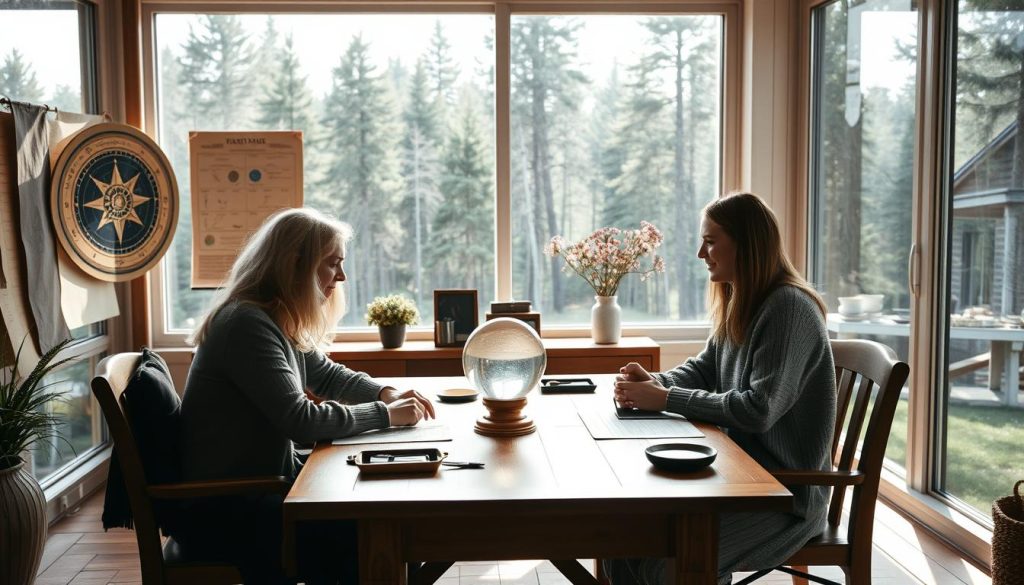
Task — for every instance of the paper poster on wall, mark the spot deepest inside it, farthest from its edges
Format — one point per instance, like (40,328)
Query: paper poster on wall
(238,179)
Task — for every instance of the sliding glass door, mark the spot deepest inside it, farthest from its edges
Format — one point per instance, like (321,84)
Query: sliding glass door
(980,416)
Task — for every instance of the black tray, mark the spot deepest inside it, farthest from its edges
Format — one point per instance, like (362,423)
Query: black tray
(426,460)
(567,385)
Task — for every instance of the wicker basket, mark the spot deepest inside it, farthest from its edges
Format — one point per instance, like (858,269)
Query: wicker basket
(1008,539)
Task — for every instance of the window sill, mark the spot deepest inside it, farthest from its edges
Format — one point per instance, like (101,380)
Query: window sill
(957,529)
(681,332)
(67,492)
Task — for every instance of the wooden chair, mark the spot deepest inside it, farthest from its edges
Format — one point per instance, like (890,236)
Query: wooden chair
(858,463)
(163,565)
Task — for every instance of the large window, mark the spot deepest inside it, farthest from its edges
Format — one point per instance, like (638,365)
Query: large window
(863,110)
(609,134)
(397,118)
(981,419)
(58,69)
(398,114)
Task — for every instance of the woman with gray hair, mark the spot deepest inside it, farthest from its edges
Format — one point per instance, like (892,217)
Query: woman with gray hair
(260,382)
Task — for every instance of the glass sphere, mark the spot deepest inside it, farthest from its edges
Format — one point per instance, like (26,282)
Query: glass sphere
(504,359)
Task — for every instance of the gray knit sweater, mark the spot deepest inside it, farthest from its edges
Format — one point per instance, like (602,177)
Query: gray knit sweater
(775,395)
(244,402)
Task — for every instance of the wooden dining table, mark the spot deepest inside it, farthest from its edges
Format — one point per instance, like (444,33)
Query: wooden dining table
(554,494)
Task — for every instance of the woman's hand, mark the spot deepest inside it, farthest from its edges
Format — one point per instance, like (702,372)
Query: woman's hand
(646,395)
(405,412)
(391,396)
(633,372)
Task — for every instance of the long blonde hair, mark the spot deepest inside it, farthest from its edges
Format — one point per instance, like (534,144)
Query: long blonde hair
(277,271)
(761,264)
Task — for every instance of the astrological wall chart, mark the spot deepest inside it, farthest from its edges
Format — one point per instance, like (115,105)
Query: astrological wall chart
(238,180)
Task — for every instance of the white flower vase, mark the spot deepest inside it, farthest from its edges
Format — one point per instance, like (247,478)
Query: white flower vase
(606,320)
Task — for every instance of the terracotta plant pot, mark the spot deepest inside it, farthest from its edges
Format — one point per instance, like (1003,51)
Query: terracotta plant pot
(392,336)
(22,525)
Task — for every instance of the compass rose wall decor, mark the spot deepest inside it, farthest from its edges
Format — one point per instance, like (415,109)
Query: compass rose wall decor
(114,201)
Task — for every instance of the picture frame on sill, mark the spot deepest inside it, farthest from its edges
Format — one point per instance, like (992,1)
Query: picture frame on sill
(455,316)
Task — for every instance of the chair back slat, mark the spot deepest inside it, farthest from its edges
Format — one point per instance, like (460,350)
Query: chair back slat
(108,385)
(844,389)
(881,378)
(852,434)
(849,436)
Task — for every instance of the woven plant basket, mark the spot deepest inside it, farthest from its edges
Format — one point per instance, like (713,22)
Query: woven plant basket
(1008,539)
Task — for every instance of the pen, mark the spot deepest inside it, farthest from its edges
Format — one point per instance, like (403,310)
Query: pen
(464,464)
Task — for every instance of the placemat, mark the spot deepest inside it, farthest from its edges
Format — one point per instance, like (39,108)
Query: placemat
(603,424)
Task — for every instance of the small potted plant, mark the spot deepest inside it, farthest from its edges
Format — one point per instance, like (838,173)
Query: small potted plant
(391,314)
(24,422)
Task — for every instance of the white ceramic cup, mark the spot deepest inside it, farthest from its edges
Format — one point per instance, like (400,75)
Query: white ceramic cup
(851,305)
(872,303)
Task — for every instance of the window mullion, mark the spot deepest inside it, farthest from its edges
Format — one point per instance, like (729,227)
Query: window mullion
(503,204)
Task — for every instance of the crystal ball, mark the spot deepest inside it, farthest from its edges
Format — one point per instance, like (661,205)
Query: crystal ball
(504,359)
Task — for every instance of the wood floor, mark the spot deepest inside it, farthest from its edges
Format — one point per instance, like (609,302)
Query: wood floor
(78,552)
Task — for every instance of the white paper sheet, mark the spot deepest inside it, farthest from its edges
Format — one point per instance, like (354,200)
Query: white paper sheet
(414,434)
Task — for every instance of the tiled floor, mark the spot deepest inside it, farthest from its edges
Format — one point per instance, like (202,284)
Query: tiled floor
(78,552)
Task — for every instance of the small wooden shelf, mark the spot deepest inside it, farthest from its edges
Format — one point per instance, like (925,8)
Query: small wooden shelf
(565,356)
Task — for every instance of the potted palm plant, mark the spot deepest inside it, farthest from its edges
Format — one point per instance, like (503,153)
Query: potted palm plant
(391,314)
(24,422)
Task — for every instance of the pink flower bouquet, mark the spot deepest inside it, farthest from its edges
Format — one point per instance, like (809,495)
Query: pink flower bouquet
(608,254)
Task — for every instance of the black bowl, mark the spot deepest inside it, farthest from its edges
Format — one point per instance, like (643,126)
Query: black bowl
(680,456)
(455,395)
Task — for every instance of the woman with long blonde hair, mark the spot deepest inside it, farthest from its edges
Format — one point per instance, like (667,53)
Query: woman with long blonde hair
(766,376)
(258,353)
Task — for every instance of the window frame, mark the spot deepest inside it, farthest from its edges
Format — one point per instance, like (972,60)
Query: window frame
(730,148)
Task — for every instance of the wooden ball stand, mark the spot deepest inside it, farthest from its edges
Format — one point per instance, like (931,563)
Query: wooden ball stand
(505,418)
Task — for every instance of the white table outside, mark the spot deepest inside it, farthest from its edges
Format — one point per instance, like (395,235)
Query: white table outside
(1006,343)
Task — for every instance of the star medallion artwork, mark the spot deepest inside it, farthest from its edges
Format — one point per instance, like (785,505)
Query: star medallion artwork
(118,202)
(114,201)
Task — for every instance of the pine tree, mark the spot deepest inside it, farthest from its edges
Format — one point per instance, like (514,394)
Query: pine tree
(215,71)
(639,164)
(544,74)
(441,69)
(681,46)
(287,101)
(990,72)
(18,80)
(462,236)
(66,99)
(266,61)
(175,123)
(839,175)
(361,183)
(888,195)
(420,171)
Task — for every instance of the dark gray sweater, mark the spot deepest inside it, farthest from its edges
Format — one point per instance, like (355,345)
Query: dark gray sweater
(776,397)
(244,400)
